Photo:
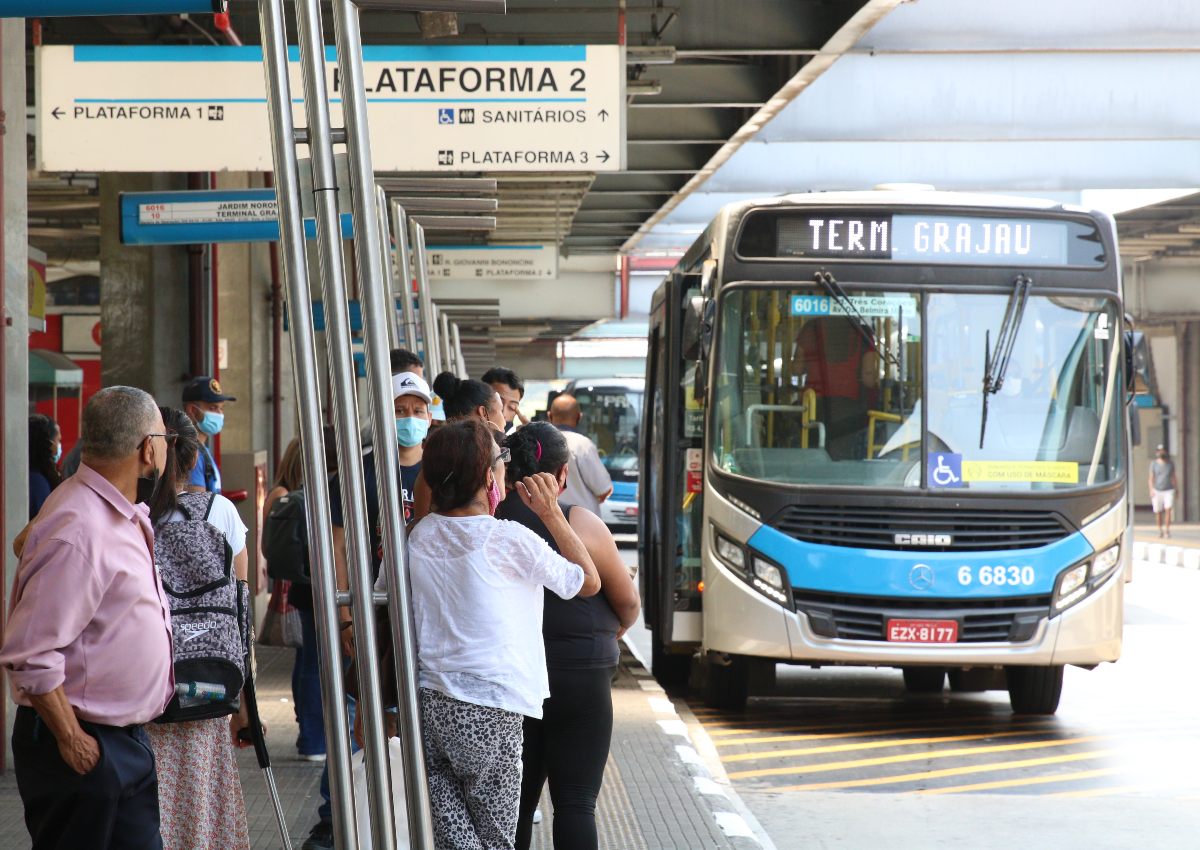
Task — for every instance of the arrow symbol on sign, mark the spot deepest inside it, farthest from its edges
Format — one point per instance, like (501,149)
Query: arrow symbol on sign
(603,114)
(604,157)
(57,112)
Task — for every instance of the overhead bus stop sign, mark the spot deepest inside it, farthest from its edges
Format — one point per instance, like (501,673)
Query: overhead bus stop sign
(432,108)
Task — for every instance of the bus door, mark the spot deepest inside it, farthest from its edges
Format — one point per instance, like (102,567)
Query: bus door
(671,493)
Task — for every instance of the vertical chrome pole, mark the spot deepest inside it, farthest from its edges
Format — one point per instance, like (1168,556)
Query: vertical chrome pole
(456,340)
(429,329)
(308,409)
(444,340)
(342,378)
(386,269)
(400,234)
(376,309)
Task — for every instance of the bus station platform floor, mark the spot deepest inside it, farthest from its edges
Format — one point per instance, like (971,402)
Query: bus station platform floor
(659,792)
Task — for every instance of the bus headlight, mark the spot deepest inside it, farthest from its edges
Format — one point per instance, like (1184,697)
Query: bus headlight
(730,552)
(1078,581)
(768,580)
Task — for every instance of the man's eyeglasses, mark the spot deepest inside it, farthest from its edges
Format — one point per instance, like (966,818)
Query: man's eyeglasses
(170,438)
(505,455)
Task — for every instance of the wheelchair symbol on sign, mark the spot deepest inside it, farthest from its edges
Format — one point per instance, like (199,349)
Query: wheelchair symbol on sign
(943,475)
(445,116)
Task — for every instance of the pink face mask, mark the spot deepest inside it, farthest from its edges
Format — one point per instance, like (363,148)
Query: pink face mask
(493,496)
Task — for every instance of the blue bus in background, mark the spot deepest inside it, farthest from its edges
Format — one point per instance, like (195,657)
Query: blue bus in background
(888,430)
(612,418)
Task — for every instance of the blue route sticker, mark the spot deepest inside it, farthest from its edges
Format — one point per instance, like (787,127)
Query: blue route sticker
(944,469)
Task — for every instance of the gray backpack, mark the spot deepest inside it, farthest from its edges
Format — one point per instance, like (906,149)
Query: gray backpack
(210,613)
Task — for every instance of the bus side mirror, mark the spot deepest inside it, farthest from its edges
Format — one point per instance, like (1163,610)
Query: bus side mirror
(1139,375)
(693,332)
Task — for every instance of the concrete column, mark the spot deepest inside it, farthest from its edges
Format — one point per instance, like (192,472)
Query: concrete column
(1187,452)
(143,298)
(15,334)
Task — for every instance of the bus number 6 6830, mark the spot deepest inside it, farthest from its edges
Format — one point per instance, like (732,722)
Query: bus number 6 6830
(997,576)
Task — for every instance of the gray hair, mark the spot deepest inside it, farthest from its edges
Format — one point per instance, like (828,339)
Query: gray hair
(116,420)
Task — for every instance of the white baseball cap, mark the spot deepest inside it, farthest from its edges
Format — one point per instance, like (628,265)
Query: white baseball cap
(410,383)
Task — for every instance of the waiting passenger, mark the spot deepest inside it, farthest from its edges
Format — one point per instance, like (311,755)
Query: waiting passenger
(204,402)
(403,360)
(569,745)
(511,390)
(199,790)
(468,397)
(45,450)
(588,482)
(477,584)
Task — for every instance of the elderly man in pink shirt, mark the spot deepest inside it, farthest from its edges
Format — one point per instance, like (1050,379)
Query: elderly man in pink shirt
(87,645)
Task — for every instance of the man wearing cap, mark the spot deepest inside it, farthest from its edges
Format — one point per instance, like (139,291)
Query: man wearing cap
(1162,490)
(204,402)
(411,400)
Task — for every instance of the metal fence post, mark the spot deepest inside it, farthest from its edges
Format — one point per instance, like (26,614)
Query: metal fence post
(308,409)
(400,234)
(359,553)
(376,311)
(429,328)
(387,271)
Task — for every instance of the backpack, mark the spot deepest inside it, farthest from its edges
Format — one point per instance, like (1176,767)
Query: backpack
(210,612)
(285,539)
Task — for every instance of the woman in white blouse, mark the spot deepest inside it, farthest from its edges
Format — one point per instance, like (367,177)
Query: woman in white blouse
(477,601)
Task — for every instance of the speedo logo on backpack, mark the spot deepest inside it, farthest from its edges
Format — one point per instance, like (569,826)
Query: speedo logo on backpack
(210,609)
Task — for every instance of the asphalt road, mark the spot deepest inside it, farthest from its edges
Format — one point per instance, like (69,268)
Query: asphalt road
(844,758)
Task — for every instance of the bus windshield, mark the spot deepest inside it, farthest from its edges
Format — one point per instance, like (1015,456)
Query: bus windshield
(817,388)
(612,416)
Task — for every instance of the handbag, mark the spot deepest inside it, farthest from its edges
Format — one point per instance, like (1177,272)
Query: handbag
(281,625)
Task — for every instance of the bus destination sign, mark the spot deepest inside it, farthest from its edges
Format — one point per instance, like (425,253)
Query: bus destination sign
(919,238)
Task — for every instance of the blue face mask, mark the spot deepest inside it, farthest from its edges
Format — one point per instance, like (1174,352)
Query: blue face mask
(58,453)
(211,423)
(410,431)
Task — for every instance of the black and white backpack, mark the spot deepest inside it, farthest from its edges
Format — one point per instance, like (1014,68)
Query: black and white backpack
(210,612)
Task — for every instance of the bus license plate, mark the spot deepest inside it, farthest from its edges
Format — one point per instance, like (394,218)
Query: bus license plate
(922,631)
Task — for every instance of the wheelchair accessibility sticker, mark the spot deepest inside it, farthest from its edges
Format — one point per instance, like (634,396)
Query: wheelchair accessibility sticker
(945,470)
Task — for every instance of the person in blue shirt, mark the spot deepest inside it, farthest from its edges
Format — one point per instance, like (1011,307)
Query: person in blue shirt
(45,450)
(204,402)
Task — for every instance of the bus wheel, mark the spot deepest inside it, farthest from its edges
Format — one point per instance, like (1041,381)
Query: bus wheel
(1034,690)
(727,685)
(924,680)
(669,669)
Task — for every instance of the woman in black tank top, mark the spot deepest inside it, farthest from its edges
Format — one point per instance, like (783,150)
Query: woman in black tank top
(569,745)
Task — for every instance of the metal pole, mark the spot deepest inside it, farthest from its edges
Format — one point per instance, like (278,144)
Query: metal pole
(386,269)
(344,383)
(444,341)
(374,291)
(308,409)
(428,323)
(400,233)
(458,355)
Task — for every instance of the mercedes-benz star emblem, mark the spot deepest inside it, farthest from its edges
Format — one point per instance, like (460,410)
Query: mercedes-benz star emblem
(921,577)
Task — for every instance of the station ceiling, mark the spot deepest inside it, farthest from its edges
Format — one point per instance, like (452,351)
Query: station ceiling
(700,74)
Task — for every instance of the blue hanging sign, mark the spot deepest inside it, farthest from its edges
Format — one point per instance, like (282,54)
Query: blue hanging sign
(81,8)
(210,216)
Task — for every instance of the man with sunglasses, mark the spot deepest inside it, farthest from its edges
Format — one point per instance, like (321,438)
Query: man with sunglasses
(87,645)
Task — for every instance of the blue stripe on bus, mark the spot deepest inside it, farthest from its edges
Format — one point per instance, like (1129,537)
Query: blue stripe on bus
(371,53)
(877,572)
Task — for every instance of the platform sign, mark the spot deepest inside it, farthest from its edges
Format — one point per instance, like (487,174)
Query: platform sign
(432,108)
(198,217)
(493,262)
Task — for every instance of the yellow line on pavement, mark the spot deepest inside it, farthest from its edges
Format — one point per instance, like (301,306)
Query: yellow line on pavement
(949,771)
(760,755)
(866,733)
(1103,792)
(1023,781)
(823,767)
(735,727)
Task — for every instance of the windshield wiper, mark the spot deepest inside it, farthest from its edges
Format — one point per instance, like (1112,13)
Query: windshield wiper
(827,282)
(995,363)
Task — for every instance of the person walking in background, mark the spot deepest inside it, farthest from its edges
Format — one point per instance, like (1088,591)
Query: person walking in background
(588,482)
(87,645)
(204,402)
(45,450)
(477,595)
(199,791)
(1163,485)
(569,745)
(511,390)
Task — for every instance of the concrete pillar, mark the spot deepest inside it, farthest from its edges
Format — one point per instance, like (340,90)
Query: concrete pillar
(1187,452)
(15,333)
(143,298)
